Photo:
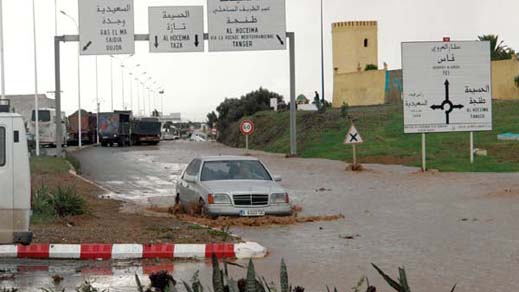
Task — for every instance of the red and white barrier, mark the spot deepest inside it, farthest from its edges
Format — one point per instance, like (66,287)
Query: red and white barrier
(244,250)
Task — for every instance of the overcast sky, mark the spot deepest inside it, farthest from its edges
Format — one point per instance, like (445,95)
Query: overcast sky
(195,83)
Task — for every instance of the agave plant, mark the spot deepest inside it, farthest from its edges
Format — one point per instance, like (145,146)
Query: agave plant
(401,285)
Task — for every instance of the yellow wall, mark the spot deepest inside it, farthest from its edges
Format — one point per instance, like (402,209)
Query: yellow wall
(503,74)
(359,88)
(348,45)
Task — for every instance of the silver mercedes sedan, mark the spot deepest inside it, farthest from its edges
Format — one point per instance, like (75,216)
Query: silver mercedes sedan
(231,186)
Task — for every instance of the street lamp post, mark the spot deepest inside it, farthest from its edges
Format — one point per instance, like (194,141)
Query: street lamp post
(322,53)
(97,104)
(131,84)
(36,105)
(122,61)
(112,82)
(80,143)
(2,66)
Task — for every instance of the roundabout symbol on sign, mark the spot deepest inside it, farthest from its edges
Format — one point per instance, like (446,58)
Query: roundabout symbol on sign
(247,127)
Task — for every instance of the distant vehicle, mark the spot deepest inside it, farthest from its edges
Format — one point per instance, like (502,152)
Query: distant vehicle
(88,128)
(232,186)
(15,180)
(145,131)
(47,126)
(198,137)
(168,136)
(114,128)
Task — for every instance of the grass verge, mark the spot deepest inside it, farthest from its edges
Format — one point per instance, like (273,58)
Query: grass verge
(381,127)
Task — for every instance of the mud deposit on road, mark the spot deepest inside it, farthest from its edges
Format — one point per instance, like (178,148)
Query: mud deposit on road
(264,221)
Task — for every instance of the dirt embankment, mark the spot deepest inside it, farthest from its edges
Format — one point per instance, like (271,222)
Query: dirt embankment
(105,223)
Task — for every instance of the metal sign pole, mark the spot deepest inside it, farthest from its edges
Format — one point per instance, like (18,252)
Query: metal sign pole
(472,147)
(354,156)
(247,144)
(57,75)
(424,165)
(293,111)
(146,37)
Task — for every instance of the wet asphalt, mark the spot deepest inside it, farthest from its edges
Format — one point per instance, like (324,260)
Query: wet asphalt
(444,228)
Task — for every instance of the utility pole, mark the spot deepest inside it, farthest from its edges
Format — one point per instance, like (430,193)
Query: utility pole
(2,49)
(36,105)
(97,103)
(322,53)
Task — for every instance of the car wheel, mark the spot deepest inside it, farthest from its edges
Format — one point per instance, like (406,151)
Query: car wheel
(202,208)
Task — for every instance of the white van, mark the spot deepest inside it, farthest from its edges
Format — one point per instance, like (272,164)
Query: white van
(15,181)
(47,126)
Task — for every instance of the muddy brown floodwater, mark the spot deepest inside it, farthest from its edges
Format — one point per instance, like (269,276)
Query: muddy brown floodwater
(445,228)
(264,221)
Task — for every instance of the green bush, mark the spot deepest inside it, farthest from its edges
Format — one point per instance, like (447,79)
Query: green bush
(68,203)
(48,205)
(370,67)
(42,206)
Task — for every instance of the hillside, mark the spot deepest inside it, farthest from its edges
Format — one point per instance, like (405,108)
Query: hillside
(321,136)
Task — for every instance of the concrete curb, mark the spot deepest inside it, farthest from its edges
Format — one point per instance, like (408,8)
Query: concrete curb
(244,250)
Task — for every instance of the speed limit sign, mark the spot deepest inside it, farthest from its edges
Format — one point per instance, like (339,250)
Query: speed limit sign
(247,127)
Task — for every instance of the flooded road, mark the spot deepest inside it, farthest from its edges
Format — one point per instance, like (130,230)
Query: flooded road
(444,228)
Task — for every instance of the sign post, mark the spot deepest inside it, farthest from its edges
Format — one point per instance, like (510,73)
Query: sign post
(247,129)
(106,27)
(176,29)
(246,25)
(447,88)
(353,138)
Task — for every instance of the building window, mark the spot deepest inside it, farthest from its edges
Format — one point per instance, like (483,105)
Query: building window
(2,146)
(365,43)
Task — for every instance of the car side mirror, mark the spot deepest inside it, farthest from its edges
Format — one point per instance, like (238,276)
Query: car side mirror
(277,178)
(190,178)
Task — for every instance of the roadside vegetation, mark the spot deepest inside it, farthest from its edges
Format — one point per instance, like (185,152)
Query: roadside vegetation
(321,135)
(67,209)
(251,282)
(48,205)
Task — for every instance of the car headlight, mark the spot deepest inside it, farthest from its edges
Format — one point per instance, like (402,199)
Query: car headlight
(218,199)
(279,198)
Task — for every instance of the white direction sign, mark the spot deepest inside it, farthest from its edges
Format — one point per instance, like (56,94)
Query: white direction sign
(353,136)
(176,28)
(246,25)
(106,27)
(447,86)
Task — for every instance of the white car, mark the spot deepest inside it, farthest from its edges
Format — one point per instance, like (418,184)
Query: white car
(198,137)
(232,186)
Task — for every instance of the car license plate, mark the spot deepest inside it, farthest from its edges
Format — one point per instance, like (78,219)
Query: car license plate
(252,213)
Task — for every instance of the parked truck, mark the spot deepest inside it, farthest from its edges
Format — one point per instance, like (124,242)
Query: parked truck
(114,128)
(15,181)
(88,128)
(145,131)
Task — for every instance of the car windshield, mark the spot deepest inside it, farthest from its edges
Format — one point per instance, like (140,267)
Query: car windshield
(234,170)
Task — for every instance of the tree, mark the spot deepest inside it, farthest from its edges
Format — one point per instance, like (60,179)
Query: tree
(344,110)
(212,118)
(233,109)
(370,67)
(498,51)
